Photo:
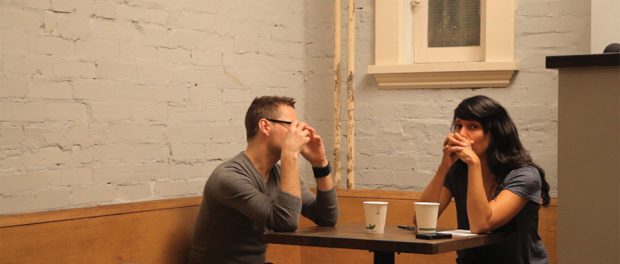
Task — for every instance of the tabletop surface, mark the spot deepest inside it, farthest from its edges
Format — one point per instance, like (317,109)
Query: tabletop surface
(393,240)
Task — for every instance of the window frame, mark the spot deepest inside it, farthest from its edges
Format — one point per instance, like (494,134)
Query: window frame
(395,68)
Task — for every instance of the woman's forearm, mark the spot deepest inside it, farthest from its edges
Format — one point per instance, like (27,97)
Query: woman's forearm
(432,192)
(478,208)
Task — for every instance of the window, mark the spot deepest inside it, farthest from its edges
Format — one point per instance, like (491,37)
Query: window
(443,43)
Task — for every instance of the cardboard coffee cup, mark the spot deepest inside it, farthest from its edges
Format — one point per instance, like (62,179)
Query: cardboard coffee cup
(426,217)
(376,213)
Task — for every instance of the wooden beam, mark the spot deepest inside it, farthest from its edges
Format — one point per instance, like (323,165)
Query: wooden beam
(337,84)
(351,95)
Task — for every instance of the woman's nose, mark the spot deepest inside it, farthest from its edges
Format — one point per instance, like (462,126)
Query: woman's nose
(462,132)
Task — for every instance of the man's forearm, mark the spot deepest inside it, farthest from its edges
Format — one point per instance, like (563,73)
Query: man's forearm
(325,183)
(289,175)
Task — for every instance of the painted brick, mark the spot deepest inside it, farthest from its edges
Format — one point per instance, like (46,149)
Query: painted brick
(15,42)
(178,56)
(138,51)
(195,186)
(13,86)
(111,111)
(206,58)
(136,133)
(95,89)
(20,19)
(50,90)
(66,111)
(70,6)
(10,134)
(68,26)
(167,189)
(150,112)
(111,29)
(133,13)
(198,40)
(188,152)
(132,192)
(69,177)
(116,70)
(50,199)
(46,156)
(104,9)
(97,49)
(22,112)
(19,182)
(95,193)
(16,203)
(131,152)
(68,135)
(149,34)
(38,4)
(30,65)
(55,46)
(188,133)
(155,73)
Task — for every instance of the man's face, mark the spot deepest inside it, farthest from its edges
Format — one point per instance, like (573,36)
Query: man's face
(279,127)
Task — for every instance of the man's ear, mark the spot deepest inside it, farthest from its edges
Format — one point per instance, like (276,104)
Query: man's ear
(264,127)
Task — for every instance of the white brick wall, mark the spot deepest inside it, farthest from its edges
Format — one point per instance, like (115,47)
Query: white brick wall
(106,101)
(399,132)
(111,101)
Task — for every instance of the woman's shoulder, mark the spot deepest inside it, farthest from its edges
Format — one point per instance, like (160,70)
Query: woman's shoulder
(524,181)
(527,174)
(525,170)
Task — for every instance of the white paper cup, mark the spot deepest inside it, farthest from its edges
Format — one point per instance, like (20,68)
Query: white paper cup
(426,217)
(375,216)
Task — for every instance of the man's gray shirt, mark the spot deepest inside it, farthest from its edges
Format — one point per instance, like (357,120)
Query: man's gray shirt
(238,206)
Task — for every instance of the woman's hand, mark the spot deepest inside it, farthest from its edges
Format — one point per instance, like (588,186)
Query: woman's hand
(458,146)
(449,157)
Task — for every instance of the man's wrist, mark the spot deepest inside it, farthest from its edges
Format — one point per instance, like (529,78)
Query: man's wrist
(321,164)
(288,155)
(320,172)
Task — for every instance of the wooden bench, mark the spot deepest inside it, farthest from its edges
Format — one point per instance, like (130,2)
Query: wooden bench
(160,231)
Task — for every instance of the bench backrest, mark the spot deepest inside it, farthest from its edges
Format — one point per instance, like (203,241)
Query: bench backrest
(159,232)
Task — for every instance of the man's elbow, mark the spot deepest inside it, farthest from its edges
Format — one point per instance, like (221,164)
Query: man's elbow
(289,225)
(328,221)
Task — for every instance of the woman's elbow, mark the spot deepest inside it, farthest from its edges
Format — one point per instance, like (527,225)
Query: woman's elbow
(480,229)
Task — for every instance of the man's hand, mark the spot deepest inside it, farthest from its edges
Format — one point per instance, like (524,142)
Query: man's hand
(314,151)
(296,139)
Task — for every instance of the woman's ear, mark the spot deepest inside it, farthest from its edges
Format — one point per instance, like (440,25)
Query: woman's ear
(264,127)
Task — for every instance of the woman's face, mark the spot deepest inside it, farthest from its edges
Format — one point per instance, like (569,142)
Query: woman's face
(473,131)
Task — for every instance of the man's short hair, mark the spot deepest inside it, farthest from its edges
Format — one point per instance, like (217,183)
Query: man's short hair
(264,107)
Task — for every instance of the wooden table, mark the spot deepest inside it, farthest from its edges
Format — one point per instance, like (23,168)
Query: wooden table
(383,245)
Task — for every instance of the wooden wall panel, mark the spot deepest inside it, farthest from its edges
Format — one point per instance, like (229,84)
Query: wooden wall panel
(157,232)
(158,237)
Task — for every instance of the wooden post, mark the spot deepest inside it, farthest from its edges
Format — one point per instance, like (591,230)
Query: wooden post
(351,96)
(337,84)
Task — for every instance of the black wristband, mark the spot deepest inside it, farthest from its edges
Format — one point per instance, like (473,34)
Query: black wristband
(322,172)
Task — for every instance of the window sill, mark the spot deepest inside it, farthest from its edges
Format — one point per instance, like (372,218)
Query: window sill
(444,75)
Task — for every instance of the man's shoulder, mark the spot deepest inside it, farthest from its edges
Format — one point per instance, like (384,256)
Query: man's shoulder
(231,169)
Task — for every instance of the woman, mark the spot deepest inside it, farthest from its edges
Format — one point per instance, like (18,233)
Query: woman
(495,184)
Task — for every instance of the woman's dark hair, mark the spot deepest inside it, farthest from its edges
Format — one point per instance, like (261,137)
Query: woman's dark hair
(505,152)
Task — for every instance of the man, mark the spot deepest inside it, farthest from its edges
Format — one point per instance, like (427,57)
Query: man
(251,192)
